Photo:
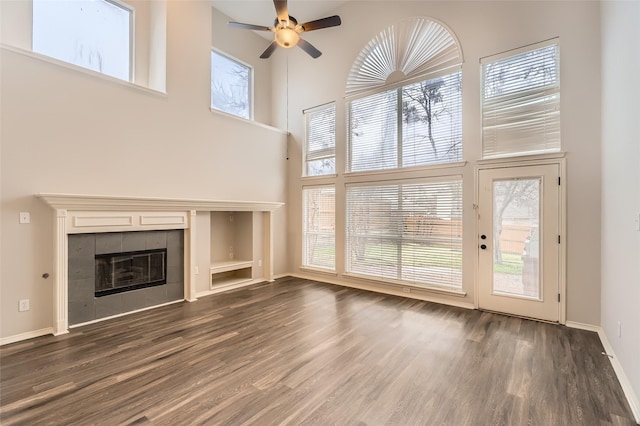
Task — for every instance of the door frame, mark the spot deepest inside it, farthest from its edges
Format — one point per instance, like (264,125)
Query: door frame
(558,159)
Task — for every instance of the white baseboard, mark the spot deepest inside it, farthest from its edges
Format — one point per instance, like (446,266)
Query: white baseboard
(583,326)
(379,289)
(632,398)
(25,336)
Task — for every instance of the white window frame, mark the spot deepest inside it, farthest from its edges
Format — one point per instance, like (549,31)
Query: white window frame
(305,230)
(400,239)
(398,88)
(320,154)
(132,41)
(250,90)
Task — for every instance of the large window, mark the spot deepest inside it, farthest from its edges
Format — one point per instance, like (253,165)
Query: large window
(319,218)
(320,141)
(415,125)
(406,232)
(93,34)
(521,102)
(231,85)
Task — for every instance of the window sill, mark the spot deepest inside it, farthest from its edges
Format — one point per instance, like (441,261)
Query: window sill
(76,68)
(318,177)
(456,165)
(411,287)
(245,120)
(522,158)
(318,270)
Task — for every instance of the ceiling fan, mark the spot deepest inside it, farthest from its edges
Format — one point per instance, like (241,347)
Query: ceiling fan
(287,30)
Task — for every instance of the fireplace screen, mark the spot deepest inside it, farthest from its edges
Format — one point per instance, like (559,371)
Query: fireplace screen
(119,272)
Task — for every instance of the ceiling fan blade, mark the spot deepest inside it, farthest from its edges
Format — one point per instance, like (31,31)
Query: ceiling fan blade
(281,10)
(249,26)
(331,21)
(269,50)
(308,47)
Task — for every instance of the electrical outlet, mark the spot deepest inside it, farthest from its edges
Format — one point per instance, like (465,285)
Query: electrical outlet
(25,217)
(619,329)
(260,263)
(196,270)
(406,289)
(23,305)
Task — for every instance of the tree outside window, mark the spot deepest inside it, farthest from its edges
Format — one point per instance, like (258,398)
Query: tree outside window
(230,85)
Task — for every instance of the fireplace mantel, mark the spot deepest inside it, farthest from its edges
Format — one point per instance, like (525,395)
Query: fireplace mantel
(128,203)
(75,213)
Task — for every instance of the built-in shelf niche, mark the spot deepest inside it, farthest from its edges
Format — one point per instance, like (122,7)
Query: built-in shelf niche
(232,254)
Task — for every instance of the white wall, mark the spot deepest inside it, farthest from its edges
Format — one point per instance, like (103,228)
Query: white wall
(621,184)
(70,131)
(483,28)
(247,47)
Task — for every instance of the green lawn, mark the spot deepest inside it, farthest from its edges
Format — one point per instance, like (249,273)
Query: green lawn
(423,255)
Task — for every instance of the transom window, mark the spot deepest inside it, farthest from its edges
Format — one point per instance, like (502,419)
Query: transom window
(231,85)
(93,34)
(521,101)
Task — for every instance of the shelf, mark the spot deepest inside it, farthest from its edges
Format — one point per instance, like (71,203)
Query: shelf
(231,272)
(229,265)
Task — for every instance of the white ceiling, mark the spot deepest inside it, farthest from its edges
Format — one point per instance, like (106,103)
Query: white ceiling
(262,12)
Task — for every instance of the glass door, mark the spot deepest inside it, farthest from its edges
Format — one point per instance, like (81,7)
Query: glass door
(518,218)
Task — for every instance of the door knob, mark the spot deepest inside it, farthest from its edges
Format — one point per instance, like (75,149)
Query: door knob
(483,246)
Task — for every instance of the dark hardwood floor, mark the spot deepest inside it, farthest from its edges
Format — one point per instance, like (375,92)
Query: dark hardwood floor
(301,352)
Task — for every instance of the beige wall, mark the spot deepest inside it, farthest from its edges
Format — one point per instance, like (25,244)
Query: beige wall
(621,185)
(149,34)
(483,29)
(69,131)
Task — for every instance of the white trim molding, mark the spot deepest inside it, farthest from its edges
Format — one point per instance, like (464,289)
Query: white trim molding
(25,336)
(627,389)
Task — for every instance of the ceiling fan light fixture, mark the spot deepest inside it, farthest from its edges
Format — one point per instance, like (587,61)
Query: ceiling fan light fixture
(287,37)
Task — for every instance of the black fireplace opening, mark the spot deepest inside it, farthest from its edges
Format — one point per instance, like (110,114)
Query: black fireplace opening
(120,272)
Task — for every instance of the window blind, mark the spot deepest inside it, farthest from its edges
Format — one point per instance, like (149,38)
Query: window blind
(406,232)
(320,141)
(521,103)
(318,247)
(414,125)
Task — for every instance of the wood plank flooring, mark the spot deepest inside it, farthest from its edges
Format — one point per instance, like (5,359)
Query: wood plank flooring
(301,352)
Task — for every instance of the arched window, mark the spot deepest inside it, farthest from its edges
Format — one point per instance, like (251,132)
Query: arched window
(404,98)
(404,109)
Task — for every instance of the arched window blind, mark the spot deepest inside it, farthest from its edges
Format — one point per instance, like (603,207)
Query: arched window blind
(407,49)
(521,102)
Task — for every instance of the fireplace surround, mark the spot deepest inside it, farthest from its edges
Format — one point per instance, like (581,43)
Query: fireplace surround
(86,214)
(109,272)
